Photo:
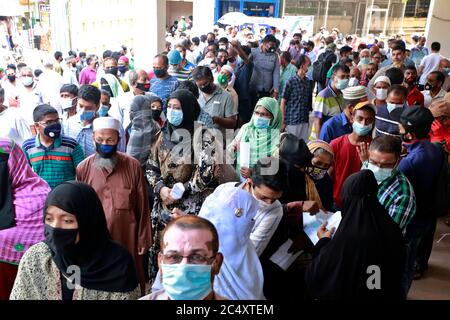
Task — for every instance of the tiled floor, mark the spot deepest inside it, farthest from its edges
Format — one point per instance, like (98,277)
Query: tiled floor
(435,285)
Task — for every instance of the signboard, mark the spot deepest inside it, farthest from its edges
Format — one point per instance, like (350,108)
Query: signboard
(44,8)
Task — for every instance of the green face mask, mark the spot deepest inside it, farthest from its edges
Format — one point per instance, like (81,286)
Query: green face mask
(222,79)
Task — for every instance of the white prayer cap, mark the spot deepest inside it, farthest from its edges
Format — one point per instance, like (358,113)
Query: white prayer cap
(382,79)
(228,68)
(354,93)
(106,123)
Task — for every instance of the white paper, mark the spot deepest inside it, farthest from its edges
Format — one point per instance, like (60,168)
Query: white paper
(177,191)
(282,258)
(244,155)
(312,223)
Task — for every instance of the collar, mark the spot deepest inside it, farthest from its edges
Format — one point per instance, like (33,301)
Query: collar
(332,91)
(344,119)
(56,143)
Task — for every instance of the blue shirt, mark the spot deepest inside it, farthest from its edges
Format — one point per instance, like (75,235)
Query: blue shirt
(421,166)
(163,88)
(335,127)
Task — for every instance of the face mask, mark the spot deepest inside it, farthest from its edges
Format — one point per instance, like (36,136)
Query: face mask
(59,240)
(381,94)
(222,79)
(12,78)
(112,71)
(143,86)
(261,122)
(406,139)
(447,71)
(209,88)
(27,81)
(380,174)
(316,173)
(159,73)
(103,111)
(261,204)
(341,84)
(361,130)
(87,115)
(391,106)
(105,151)
(175,117)
(222,47)
(156,114)
(53,130)
(186,281)
(122,69)
(66,103)
(353,82)
(428,87)
(364,61)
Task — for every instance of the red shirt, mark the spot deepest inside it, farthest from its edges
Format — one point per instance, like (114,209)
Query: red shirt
(440,131)
(415,98)
(346,162)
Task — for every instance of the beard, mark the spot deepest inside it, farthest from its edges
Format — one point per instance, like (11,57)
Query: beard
(105,163)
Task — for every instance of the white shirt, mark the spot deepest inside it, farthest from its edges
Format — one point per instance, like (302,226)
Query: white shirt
(428,100)
(50,82)
(28,102)
(430,63)
(14,126)
(120,107)
(70,76)
(11,91)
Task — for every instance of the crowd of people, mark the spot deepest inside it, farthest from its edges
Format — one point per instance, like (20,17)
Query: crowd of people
(185,181)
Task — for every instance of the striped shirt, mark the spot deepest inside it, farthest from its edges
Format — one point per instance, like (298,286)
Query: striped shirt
(384,124)
(328,104)
(298,94)
(163,88)
(57,163)
(180,75)
(82,134)
(397,196)
(29,192)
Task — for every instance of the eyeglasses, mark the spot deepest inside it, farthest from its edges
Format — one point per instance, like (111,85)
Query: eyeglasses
(50,122)
(173,258)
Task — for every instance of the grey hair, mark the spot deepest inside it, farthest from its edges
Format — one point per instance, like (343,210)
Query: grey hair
(133,77)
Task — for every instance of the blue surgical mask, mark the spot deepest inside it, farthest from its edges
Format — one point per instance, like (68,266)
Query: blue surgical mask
(261,122)
(87,115)
(103,111)
(364,61)
(380,174)
(186,281)
(341,84)
(361,130)
(175,117)
(392,106)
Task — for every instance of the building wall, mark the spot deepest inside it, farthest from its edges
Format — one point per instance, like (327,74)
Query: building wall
(176,9)
(438,25)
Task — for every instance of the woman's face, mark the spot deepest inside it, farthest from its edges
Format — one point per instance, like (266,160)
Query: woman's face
(262,112)
(156,105)
(322,161)
(174,104)
(58,218)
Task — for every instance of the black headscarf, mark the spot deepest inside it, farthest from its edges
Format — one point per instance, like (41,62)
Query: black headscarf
(105,265)
(367,236)
(294,152)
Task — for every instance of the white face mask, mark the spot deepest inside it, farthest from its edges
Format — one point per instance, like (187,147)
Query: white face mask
(66,103)
(261,204)
(353,82)
(381,94)
(380,174)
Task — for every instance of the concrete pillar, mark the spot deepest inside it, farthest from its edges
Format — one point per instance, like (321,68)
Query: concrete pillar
(149,32)
(438,25)
(203,14)
(60,36)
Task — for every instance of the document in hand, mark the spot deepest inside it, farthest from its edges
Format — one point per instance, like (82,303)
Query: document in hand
(282,258)
(312,223)
(244,155)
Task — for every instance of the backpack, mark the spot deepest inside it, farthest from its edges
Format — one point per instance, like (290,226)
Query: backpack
(322,65)
(442,188)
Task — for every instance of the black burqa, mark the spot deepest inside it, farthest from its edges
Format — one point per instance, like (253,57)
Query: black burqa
(104,264)
(367,236)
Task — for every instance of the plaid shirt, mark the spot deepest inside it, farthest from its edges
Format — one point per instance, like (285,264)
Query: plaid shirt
(396,195)
(298,95)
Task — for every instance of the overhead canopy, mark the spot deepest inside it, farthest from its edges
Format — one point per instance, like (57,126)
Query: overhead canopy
(234,19)
(10,8)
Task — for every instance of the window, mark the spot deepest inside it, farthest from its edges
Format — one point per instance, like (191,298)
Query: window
(417,8)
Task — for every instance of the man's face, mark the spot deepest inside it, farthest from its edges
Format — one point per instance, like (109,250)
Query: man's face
(383,160)
(364,117)
(27,73)
(105,100)
(355,73)
(182,52)
(370,71)
(410,76)
(106,136)
(422,41)
(269,45)
(266,194)
(398,56)
(158,64)
(340,75)
(433,81)
(46,121)
(222,57)
(444,64)
(188,243)
(87,105)
(110,63)
(10,72)
(395,99)
(296,38)
(364,54)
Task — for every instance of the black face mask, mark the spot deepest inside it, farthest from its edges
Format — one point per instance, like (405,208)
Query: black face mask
(406,139)
(272,49)
(112,71)
(143,86)
(12,78)
(60,240)
(156,114)
(428,86)
(208,88)
(53,130)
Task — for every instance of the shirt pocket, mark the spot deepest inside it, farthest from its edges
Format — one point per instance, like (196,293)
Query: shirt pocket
(122,199)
